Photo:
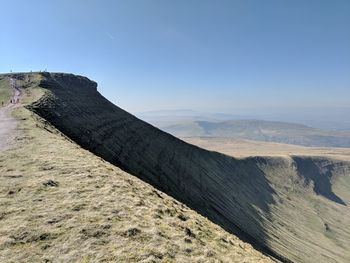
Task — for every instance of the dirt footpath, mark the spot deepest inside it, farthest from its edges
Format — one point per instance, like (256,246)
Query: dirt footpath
(7,127)
(7,122)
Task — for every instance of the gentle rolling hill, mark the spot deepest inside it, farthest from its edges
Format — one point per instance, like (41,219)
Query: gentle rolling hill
(331,119)
(259,130)
(241,148)
(294,208)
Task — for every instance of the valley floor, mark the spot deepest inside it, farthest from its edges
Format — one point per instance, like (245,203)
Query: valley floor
(245,148)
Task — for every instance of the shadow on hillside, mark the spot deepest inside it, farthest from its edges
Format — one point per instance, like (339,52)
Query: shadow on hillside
(232,193)
(321,176)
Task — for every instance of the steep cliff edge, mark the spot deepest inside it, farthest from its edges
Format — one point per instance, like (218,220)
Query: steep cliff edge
(61,203)
(294,208)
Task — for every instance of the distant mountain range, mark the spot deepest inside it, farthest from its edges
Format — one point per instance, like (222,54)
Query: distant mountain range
(326,119)
(221,125)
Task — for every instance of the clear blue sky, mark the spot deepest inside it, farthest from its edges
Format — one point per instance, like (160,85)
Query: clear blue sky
(202,55)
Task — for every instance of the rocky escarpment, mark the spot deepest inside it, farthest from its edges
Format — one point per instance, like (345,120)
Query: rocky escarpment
(254,197)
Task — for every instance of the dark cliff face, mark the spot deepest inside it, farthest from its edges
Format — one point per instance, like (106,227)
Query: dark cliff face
(68,83)
(237,194)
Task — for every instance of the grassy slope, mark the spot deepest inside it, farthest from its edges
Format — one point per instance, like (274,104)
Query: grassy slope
(319,223)
(294,206)
(5,91)
(316,228)
(59,202)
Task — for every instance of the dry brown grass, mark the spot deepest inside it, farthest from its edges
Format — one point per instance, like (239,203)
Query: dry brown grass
(5,91)
(245,148)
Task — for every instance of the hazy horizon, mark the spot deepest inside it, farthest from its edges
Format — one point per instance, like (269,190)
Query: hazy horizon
(334,119)
(238,57)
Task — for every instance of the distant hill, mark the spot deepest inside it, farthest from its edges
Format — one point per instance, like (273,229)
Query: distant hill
(260,130)
(333,119)
(241,148)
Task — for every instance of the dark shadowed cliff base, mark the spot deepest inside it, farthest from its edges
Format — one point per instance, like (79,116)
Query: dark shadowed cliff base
(294,208)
